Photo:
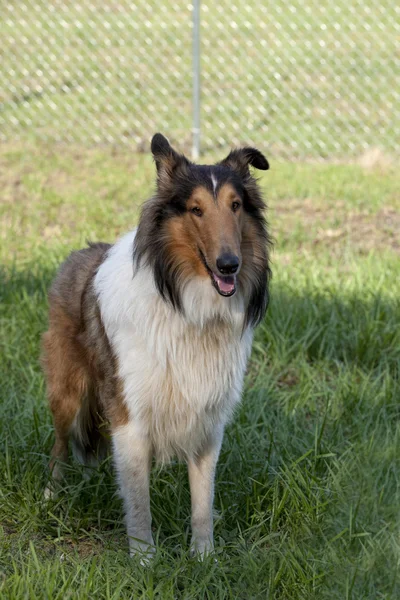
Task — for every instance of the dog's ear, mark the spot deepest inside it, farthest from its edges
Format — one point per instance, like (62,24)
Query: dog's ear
(166,158)
(240,159)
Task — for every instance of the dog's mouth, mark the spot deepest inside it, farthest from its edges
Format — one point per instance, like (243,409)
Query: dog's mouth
(224,284)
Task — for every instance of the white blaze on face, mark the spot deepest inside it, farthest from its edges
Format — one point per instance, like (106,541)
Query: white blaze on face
(215,183)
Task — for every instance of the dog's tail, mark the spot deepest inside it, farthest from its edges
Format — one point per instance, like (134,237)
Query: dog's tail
(89,434)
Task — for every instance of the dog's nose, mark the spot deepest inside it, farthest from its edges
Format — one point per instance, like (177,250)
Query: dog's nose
(227,263)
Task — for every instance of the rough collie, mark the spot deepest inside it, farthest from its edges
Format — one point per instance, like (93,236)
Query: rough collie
(148,339)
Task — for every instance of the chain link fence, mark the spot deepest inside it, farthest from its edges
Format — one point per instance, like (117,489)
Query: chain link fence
(299,79)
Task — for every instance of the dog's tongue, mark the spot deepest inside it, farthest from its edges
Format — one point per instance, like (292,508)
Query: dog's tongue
(226,285)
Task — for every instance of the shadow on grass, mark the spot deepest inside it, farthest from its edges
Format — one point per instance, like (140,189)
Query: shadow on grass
(308,467)
(325,324)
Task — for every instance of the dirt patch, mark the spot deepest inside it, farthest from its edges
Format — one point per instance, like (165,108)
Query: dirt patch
(84,547)
(288,379)
(365,232)
(374,158)
(334,226)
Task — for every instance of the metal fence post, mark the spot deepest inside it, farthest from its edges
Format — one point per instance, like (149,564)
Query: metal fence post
(196,80)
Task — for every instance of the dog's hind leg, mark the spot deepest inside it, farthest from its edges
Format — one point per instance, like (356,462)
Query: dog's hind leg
(67,383)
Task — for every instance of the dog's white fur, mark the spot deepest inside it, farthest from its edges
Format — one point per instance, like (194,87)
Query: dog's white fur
(182,375)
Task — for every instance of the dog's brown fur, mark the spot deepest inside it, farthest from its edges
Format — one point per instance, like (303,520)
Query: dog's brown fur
(78,362)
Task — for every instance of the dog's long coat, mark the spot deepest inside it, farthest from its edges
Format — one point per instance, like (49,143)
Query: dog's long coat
(150,337)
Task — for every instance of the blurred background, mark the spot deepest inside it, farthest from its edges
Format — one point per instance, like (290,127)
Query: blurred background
(308,484)
(304,79)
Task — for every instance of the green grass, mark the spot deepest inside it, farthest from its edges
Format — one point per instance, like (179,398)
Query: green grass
(304,79)
(308,484)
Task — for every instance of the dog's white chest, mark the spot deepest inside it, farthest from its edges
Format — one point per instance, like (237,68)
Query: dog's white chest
(180,381)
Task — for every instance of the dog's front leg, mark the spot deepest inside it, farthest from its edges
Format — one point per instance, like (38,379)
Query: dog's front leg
(201,479)
(132,456)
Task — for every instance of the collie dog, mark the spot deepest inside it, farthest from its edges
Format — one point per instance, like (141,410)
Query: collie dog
(149,338)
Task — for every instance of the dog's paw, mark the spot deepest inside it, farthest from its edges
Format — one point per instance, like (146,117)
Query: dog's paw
(143,550)
(201,547)
(48,493)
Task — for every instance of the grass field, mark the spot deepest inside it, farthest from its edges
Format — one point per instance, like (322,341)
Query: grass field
(308,485)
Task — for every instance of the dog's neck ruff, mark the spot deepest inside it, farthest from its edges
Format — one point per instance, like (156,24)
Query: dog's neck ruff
(129,288)
(182,371)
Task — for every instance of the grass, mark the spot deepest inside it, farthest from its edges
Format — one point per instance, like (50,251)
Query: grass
(310,79)
(308,484)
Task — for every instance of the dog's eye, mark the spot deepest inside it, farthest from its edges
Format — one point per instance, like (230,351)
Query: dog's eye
(196,211)
(235,206)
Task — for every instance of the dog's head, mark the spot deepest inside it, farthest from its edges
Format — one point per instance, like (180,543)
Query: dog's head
(207,222)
